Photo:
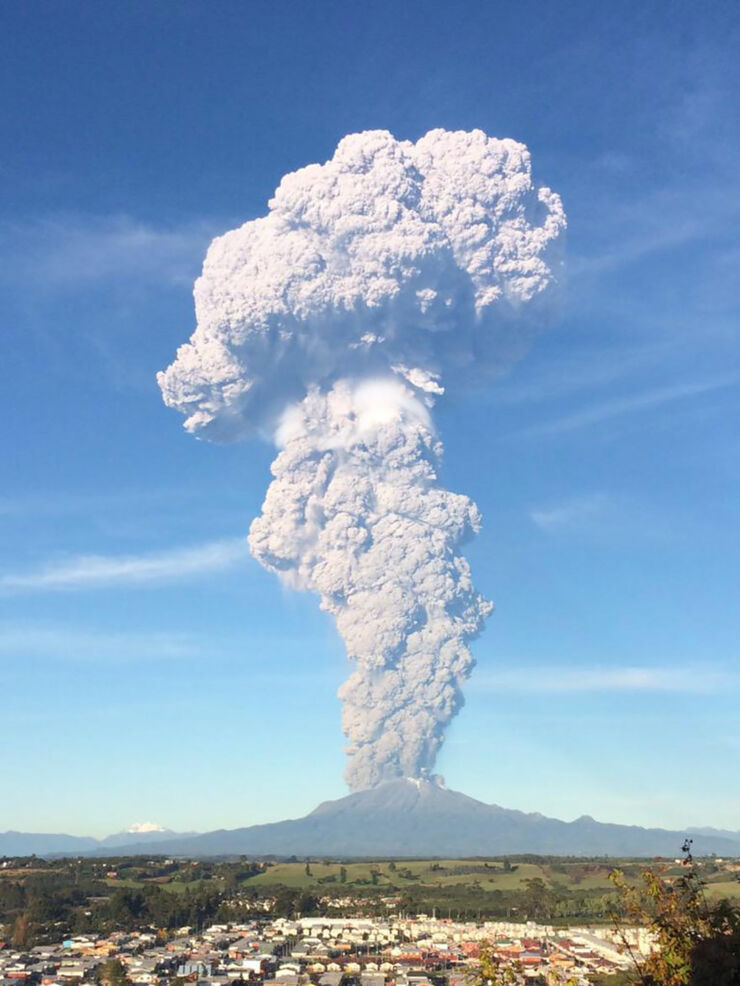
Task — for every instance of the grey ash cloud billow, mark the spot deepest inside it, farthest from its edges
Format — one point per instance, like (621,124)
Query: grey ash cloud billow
(377,282)
(355,513)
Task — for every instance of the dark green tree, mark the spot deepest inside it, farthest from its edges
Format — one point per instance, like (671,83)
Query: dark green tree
(285,903)
(537,899)
(306,904)
(113,973)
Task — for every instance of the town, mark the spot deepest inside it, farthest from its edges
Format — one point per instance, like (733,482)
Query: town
(138,921)
(419,950)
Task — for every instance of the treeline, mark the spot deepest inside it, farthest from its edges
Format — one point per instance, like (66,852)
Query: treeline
(48,898)
(534,901)
(48,902)
(31,919)
(155,907)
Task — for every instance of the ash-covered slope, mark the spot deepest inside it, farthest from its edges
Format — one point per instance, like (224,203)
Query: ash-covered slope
(423,818)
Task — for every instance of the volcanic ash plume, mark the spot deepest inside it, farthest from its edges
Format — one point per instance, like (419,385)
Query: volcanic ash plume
(356,515)
(376,281)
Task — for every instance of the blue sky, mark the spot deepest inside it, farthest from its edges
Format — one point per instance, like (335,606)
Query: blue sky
(149,669)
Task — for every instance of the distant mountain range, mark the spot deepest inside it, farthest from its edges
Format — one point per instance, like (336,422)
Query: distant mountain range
(399,818)
(709,831)
(41,844)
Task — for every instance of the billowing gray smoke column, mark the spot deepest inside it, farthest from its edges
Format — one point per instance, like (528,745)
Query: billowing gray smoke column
(355,514)
(376,282)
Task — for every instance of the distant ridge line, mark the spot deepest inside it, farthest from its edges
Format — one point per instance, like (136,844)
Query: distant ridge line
(402,818)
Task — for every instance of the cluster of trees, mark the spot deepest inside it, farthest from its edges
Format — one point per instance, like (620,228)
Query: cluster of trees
(43,900)
(51,898)
(113,973)
(30,916)
(534,900)
(290,902)
(153,906)
(472,869)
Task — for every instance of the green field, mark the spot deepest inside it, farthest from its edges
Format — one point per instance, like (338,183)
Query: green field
(437,873)
(457,878)
(723,888)
(173,886)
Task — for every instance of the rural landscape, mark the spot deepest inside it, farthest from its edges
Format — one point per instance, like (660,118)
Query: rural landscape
(71,896)
(139,921)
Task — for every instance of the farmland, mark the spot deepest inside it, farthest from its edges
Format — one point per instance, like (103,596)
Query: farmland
(103,894)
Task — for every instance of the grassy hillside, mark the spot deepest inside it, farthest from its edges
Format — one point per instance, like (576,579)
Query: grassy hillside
(490,875)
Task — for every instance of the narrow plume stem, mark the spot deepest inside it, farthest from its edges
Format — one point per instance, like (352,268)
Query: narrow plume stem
(356,514)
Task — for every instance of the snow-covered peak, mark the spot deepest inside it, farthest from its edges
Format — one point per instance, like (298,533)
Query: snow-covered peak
(145,827)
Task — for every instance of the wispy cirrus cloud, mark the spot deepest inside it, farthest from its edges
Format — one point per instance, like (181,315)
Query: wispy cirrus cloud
(631,404)
(614,518)
(55,503)
(575,513)
(583,370)
(73,643)
(91,645)
(99,571)
(78,250)
(563,680)
(633,248)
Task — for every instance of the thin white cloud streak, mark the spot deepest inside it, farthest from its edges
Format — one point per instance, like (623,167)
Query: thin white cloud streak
(607,410)
(94,646)
(574,680)
(72,251)
(75,644)
(632,224)
(618,519)
(632,250)
(593,369)
(97,571)
(54,503)
(575,513)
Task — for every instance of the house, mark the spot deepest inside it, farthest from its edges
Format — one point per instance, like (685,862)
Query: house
(195,967)
(330,979)
(372,979)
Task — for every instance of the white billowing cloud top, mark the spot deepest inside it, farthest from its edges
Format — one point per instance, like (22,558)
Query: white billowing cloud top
(376,281)
(431,261)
